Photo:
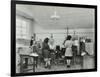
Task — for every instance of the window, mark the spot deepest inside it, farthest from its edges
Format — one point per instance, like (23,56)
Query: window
(22,28)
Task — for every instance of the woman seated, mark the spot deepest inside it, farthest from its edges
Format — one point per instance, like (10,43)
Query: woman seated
(58,52)
(52,53)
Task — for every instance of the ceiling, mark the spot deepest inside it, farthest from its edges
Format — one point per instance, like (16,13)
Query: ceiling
(69,16)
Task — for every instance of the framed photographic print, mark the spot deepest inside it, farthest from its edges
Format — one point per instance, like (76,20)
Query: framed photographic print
(52,38)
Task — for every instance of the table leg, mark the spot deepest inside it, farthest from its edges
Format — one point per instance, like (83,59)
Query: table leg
(33,64)
(21,64)
(82,58)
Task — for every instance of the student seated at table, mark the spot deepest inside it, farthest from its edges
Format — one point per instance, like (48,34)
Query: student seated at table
(52,54)
(58,52)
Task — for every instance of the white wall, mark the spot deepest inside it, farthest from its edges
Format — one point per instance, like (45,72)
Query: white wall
(60,34)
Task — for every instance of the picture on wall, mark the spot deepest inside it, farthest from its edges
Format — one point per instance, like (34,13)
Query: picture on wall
(52,38)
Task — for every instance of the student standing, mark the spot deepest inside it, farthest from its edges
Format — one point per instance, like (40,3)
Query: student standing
(68,53)
(33,45)
(46,53)
(52,49)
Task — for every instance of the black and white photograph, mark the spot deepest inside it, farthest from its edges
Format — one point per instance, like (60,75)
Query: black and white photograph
(54,38)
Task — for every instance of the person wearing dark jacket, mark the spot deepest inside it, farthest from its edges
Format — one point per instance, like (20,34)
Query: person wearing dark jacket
(46,53)
(33,43)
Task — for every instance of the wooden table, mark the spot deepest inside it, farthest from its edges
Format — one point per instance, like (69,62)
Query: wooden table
(23,56)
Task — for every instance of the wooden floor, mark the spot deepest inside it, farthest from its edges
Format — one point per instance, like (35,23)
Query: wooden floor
(88,63)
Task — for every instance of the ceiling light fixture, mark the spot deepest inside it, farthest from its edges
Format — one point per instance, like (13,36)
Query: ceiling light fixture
(55,16)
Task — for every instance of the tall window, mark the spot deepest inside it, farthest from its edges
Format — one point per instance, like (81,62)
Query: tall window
(22,27)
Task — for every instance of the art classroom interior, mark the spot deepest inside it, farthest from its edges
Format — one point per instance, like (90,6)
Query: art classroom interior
(51,38)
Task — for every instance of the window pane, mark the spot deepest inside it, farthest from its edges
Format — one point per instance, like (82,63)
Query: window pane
(22,28)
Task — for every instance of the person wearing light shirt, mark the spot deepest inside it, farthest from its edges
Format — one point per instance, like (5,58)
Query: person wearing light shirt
(68,52)
(52,49)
